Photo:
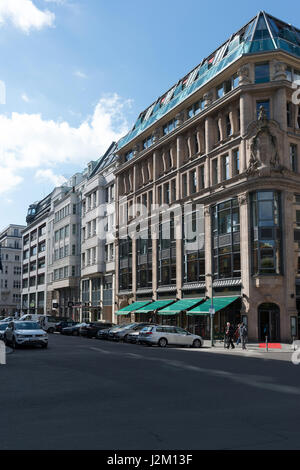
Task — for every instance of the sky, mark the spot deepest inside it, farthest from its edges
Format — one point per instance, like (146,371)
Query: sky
(75,74)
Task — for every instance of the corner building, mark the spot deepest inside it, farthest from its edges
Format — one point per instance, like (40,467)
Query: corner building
(226,136)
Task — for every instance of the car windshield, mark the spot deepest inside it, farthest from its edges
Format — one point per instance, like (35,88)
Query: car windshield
(28,325)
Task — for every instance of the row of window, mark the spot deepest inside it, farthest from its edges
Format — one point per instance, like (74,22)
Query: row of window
(41,264)
(64,212)
(33,235)
(89,203)
(265,209)
(63,273)
(6,257)
(64,251)
(34,250)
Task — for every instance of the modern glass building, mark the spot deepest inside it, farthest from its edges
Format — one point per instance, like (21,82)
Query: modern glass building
(222,144)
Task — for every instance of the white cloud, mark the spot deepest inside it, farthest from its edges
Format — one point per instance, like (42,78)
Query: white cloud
(25,15)
(25,98)
(49,175)
(80,74)
(30,142)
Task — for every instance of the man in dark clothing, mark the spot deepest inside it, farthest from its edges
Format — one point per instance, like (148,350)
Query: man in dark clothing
(229,333)
(243,334)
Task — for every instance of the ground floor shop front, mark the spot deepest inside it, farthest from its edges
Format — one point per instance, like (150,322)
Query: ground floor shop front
(266,320)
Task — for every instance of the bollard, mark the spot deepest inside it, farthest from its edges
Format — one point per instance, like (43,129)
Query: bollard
(267,349)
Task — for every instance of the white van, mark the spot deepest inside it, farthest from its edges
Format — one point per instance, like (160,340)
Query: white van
(47,322)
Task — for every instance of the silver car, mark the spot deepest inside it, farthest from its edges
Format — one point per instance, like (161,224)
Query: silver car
(162,335)
(20,333)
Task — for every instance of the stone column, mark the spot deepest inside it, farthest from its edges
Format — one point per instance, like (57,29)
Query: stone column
(246,250)
(279,108)
(208,250)
(134,268)
(246,116)
(179,255)
(290,262)
(179,162)
(116,298)
(209,143)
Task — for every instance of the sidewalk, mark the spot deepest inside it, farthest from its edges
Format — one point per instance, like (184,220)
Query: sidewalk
(282,347)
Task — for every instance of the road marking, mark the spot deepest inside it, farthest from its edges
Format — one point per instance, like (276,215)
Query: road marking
(102,351)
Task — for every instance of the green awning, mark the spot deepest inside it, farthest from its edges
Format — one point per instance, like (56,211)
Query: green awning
(155,305)
(219,304)
(132,307)
(179,306)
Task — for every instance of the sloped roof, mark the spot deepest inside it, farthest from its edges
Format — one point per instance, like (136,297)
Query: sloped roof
(105,160)
(263,33)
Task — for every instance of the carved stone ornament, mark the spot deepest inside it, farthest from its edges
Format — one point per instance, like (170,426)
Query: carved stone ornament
(244,75)
(135,150)
(179,118)
(208,99)
(156,135)
(242,199)
(263,145)
(207,211)
(279,70)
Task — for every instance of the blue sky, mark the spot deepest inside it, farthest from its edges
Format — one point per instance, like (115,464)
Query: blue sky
(78,72)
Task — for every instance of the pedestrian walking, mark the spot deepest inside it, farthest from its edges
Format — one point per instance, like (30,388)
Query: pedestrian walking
(229,334)
(243,334)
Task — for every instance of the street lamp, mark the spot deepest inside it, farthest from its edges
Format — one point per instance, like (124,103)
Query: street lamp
(211,312)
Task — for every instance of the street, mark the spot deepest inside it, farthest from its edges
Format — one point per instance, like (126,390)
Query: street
(90,394)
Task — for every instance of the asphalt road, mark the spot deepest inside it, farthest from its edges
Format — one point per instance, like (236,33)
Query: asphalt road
(90,394)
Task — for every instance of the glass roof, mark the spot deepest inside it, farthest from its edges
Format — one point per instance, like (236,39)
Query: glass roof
(262,33)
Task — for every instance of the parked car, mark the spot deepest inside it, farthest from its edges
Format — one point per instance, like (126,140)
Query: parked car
(47,322)
(72,330)
(91,329)
(162,335)
(64,324)
(3,326)
(19,333)
(122,333)
(7,320)
(133,335)
(104,334)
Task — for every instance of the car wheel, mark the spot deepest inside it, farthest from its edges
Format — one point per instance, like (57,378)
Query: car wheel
(162,343)
(44,346)
(51,330)
(125,339)
(197,343)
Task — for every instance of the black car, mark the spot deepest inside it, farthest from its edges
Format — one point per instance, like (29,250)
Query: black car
(64,324)
(72,330)
(91,329)
(104,334)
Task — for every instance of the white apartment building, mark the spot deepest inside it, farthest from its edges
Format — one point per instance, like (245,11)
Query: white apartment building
(11,274)
(34,256)
(68,267)
(97,240)
(63,267)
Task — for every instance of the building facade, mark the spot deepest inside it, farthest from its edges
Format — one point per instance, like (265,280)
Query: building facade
(68,256)
(11,274)
(97,240)
(34,257)
(223,143)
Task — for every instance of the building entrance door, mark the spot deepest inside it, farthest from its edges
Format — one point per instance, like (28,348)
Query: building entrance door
(269,322)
